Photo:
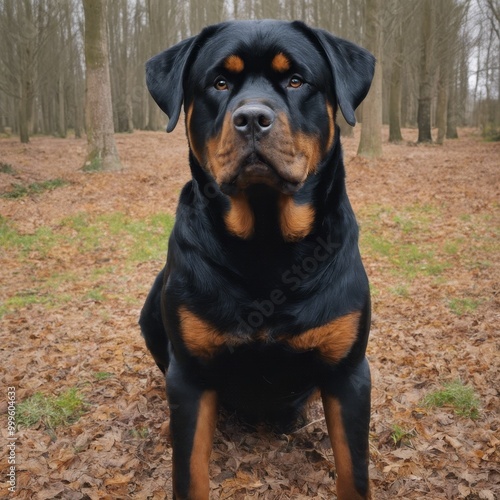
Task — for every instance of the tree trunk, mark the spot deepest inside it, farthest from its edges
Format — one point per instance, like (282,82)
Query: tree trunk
(155,118)
(23,119)
(451,128)
(101,147)
(61,117)
(77,99)
(25,19)
(127,99)
(395,90)
(370,144)
(442,104)
(425,91)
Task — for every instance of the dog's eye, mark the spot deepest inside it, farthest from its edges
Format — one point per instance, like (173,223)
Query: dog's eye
(220,83)
(295,82)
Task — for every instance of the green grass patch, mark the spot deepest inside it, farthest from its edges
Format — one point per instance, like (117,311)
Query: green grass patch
(374,290)
(463,306)
(115,242)
(405,223)
(456,395)
(453,247)
(97,295)
(491,132)
(401,436)
(6,168)
(82,231)
(403,238)
(7,234)
(21,300)
(21,190)
(408,259)
(142,240)
(137,239)
(377,244)
(401,291)
(94,165)
(41,241)
(139,433)
(51,411)
(26,298)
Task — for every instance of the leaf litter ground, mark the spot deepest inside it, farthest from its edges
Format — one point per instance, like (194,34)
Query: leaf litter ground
(80,251)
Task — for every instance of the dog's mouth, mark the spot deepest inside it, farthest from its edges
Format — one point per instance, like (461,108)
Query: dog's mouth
(256,169)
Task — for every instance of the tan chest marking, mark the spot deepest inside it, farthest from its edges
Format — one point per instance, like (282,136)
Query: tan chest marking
(202,339)
(240,219)
(296,221)
(332,341)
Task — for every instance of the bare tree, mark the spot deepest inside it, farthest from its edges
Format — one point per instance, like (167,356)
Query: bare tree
(426,72)
(399,19)
(490,120)
(395,85)
(493,7)
(101,148)
(450,17)
(26,29)
(371,131)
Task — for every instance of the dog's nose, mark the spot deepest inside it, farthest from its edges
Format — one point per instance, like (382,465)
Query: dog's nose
(254,118)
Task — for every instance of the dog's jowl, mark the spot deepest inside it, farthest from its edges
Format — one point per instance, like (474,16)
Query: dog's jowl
(263,300)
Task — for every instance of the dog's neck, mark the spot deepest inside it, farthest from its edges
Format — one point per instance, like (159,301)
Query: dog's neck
(263,213)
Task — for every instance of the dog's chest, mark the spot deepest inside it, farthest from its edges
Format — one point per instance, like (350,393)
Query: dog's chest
(331,341)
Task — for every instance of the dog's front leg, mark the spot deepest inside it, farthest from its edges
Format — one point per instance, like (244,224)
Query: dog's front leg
(193,416)
(346,401)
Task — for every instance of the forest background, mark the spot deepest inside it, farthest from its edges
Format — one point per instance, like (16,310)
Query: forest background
(439,61)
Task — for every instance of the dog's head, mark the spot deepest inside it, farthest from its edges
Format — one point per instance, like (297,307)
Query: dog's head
(260,98)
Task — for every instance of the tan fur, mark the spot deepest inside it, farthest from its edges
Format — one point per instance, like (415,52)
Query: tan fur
(202,446)
(296,221)
(346,489)
(240,218)
(331,119)
(280,63)
(201,338)
(332,341)
(234,64)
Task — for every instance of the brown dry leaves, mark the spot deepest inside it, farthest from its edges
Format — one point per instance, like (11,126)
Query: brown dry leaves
(120,447)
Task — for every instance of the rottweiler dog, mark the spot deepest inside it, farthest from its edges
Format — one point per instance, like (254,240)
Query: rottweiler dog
(263,300)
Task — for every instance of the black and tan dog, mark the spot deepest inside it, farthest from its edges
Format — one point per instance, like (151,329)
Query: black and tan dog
(264,298)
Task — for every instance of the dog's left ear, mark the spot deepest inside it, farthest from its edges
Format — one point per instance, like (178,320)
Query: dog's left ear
(352,68)
(167,71)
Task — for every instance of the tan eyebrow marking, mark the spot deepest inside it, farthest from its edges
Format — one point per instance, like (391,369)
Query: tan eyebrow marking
(234,64)
(280,63)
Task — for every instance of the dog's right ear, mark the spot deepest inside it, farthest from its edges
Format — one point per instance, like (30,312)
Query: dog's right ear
(165,77)
(167,72)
